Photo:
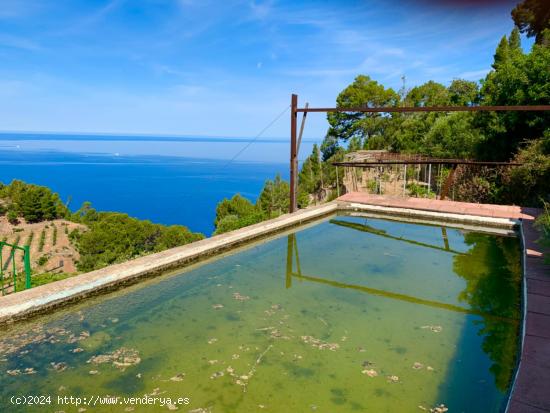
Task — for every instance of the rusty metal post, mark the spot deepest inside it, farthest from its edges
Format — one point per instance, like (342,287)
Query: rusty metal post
(293,153)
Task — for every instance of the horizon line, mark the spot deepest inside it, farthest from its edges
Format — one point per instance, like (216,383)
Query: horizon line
(146,136)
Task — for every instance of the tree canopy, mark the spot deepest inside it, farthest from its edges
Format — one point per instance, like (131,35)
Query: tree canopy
(533,18)
(363,126)
(32,202)
(516,78)
(113,237)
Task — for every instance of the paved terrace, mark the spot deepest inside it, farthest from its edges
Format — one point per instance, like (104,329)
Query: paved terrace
(531,390)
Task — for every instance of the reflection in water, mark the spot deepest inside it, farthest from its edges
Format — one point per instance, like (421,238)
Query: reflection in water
(492,269)
(292,251)
(382,233)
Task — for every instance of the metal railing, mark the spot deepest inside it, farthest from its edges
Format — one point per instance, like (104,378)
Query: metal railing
(10,284)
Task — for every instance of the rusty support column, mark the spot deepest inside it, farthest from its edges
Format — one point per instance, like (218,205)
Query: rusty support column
(293,153)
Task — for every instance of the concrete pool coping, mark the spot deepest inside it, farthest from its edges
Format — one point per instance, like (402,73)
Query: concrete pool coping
(533,375)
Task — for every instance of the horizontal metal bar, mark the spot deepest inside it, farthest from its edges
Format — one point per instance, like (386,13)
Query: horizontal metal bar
(430,109)
(13,246)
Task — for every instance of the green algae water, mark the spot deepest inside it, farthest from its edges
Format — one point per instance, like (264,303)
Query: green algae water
(350,314)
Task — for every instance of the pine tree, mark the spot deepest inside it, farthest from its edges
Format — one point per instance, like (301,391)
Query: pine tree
(514,42)
(502,54)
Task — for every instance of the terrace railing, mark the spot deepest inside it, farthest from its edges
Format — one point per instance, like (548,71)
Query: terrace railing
(411,175)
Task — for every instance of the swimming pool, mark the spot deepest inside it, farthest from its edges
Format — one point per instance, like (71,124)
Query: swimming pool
(350,314)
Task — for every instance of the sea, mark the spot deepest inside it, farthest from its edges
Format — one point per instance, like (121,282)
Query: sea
(164,179)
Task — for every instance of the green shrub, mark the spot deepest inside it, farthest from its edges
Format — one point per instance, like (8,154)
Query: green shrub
(42,241)
(480,185)
(372,186)
(12,217)
(529,184)
(333,194)
(41,279)
(29,239)
(114,237)
(233,222)
(419,191)
(42,260)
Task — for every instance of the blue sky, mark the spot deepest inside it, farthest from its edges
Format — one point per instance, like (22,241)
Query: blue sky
(226,68)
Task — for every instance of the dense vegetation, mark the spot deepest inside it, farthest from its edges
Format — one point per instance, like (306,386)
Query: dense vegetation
(110,237)
(516,78)
(239,212)
(32,202)
(115,237)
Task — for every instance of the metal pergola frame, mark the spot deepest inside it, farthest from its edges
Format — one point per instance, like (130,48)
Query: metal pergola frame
(296,139)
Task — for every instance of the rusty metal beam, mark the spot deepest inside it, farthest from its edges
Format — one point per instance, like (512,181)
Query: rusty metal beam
(431,109)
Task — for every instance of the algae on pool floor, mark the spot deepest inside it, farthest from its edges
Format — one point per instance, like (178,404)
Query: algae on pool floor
(350,314)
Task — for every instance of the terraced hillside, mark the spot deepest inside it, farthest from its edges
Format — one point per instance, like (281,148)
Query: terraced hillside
(51,250)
